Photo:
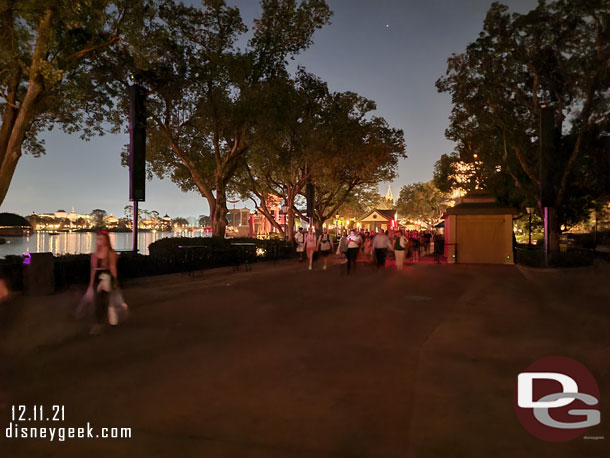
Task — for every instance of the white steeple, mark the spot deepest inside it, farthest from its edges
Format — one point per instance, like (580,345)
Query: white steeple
(388,195)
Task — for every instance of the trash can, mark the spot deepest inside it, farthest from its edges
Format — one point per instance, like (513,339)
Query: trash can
(38,274)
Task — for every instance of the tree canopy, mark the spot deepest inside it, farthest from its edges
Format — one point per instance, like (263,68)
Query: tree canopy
(421,201)
(205,95)
(47,53)
(557,56)
(329,139)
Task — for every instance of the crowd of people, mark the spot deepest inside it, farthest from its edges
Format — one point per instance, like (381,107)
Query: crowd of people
(373,246)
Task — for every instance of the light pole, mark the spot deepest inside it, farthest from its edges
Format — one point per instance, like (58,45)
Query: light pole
(337,226)
(284,211)
(530,210)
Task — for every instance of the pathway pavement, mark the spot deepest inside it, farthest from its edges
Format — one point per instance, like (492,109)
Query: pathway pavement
(281,362)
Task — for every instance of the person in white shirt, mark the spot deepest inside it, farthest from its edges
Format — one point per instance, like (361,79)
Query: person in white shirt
(353,246)
(381,244)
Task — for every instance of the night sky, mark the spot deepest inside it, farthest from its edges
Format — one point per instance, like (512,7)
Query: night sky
(389,51)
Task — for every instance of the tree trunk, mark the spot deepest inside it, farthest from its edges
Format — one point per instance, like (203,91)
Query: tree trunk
(262,207)
(7,169)
(219,213)
(554,229)
(27,111)
(17,135)
(317,224)
(290,225)
(270,218)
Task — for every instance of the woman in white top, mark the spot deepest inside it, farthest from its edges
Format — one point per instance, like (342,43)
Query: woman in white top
(311,245)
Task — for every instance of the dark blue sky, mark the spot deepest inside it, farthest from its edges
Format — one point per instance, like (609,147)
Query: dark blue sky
(390,51)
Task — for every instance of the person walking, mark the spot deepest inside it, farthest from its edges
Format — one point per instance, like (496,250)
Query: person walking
(426,238)
(342,246)
(381,244)
(299,239)
(368,247)
(311,245)
(353,245)
(400,246)
(414,246)
(325,246)
(103,278)
(439,247)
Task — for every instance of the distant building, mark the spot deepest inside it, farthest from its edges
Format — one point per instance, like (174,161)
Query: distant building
(111,221)
(378,219)
(60,219)
(239,222)
(260,226)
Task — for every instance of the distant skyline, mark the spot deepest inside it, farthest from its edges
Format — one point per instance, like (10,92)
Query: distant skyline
(389,51)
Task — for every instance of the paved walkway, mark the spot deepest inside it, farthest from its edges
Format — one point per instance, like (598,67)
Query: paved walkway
(281,362)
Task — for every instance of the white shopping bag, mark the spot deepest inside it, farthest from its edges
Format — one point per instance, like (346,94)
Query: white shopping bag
(117,308)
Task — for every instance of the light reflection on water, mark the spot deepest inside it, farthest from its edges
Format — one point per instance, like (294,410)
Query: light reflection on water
(83,242)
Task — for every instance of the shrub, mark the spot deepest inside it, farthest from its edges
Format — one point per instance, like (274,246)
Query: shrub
(534,257)
(215,251)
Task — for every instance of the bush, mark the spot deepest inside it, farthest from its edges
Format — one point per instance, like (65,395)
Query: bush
(72,269)
(534,257)
(166,256)
(216,252)
(571,258)
(11,270)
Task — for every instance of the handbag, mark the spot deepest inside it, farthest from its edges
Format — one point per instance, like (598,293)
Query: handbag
(117,308)
(105,282)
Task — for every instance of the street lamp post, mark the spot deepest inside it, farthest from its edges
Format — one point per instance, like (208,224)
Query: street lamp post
(337,226)
(530,210)
(284,211)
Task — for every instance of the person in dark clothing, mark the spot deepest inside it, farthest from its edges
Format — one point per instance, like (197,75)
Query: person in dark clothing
(439,247)
(103,278)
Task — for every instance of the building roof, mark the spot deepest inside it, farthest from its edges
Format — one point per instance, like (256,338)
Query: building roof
(479,202)
(386,214)
(13,220)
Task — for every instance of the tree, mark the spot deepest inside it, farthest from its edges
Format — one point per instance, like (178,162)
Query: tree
(47,50)
(80,222)
(360,150)
(360,201)
(179,221)
(203,93)
(556,55)
(287,141)
(421,201)
(205,221)
(452,174)
(97,218)
(327,138)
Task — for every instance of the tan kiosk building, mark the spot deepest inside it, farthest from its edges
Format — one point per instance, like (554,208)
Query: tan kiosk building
(478,229)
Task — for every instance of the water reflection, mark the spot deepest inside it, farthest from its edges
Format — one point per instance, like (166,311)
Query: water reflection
(83,242)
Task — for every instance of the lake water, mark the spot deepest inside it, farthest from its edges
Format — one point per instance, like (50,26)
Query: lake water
(83,242)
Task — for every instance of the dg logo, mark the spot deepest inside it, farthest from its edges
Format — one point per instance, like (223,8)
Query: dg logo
(557,399)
